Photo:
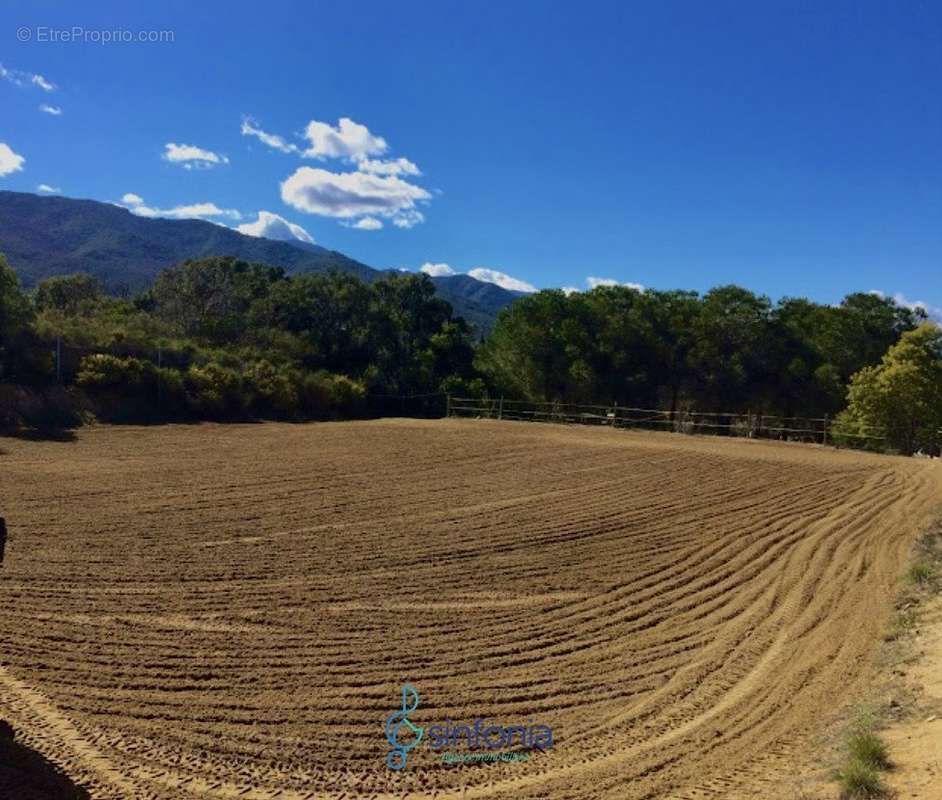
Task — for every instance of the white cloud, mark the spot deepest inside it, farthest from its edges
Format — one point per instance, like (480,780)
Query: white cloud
(47,109)
(502,279)
(272,226)
(437,270)
(372,191)
(135,204)
(408,218)
(9,161)
(592,282)
(45,188)
(191,156)
(192,211)
(368,224)
(352,194)
(349,140)
(20,78)
(249,128)
(42,83)
(397,166)
(933,312)
(568,290)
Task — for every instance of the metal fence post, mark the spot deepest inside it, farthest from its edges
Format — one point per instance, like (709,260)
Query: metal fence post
(500,408)
(448,404)
(824,437)
(160,399)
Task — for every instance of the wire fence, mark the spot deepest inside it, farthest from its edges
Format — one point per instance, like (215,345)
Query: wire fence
(725,423)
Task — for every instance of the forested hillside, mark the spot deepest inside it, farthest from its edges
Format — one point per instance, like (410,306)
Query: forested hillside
(47,236)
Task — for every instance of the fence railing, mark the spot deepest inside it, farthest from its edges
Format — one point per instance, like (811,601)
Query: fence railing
(748,424)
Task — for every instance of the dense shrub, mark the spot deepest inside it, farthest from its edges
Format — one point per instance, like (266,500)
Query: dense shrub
(273,389)
(327,396)
(171,393)
(215,392)
(51,408)
(348,396)
(120,389)
(101,372)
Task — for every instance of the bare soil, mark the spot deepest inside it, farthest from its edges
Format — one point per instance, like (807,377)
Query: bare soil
(915,743)
(230,611)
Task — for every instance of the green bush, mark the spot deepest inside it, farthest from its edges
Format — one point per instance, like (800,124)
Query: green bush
(867,756)
(868,748)
(326,396)
(860,781)
(921,573)
(102,373)
(316,394)
(120,389)
(348,396)
(54,408)
(214,392)
(275,390)
(171,392)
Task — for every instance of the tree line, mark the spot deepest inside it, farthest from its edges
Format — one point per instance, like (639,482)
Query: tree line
(865,361)
(237,340)
(223,339)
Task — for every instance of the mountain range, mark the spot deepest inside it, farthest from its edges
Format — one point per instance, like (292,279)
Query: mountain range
(43,236)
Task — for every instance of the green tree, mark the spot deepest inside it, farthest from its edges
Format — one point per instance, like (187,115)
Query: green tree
(70,294)
(329,313)
(412,336)
(16,314)
(15,311)
(733,354)
(671,321)
(902,395)
(527,354)
(211,297)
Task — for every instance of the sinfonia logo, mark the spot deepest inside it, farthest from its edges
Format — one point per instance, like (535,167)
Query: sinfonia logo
(398,722)
(404,736)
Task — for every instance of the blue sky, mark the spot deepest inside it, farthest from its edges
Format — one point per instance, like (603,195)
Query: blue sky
(787,147)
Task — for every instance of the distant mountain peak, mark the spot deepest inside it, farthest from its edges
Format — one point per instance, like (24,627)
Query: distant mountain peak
(45,235)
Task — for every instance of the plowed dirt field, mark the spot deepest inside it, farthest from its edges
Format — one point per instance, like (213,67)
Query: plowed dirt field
(231,611)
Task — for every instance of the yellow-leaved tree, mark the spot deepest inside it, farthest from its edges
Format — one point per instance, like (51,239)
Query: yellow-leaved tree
(900,398)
